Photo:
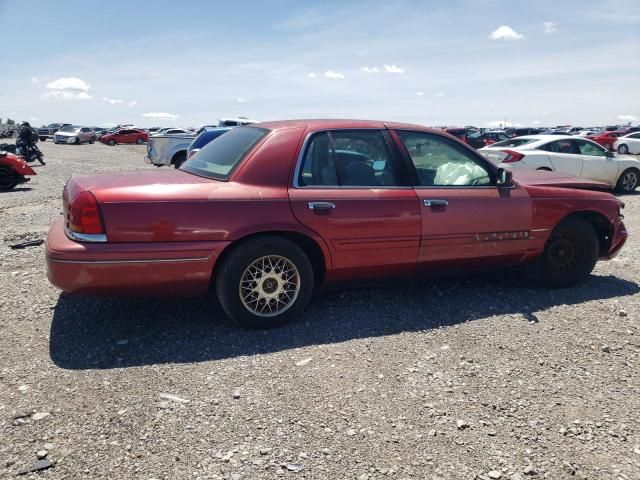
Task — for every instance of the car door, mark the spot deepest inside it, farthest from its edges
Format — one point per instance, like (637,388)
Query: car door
(563,156)
(467,220)
(126,136)
(597,163)
(350,189)
(632,141)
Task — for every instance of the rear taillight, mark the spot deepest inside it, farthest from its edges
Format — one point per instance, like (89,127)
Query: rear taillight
(82,215)
(192,153)
(512,156)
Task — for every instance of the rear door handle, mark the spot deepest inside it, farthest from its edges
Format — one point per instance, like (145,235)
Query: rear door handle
(435,203)
(321,205)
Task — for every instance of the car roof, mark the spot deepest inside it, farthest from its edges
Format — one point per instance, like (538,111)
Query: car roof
(328,124)
(546,137)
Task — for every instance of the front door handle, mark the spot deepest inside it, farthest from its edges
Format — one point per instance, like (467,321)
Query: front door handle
(321,206)
(435,203)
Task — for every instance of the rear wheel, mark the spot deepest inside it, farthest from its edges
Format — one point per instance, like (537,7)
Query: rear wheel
(111,142)
(92,140)
(569,255)
(264,282)
(139,141)
(628,181)
(623,149)
(7,178)
(178,159)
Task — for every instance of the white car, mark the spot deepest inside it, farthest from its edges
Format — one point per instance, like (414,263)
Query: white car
(630,143)
(566,154)
(74,134)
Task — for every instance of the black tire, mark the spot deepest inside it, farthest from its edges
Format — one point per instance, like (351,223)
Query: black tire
(569,255)
(229,275)
(43,139)
(77,141)
(628,181)
(92,140)
(111,142)
(139,141)
(623,149)
(179,158)
(8,179)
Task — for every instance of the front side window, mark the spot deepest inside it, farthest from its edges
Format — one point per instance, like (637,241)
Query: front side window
(559,146)
(440,162)
(347,158)
(219,157)
(588,148)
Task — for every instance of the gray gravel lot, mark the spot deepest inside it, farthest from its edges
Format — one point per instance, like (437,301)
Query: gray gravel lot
(462,378)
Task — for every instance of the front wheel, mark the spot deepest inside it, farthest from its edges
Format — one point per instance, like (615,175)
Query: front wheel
(43,139)
(7,179)
(92,140)
(628,181)
(264,282)
(569,255)
(178,159)
(139,141)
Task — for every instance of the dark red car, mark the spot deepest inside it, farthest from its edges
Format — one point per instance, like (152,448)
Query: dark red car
(607,139)
(266,213)
(125,135)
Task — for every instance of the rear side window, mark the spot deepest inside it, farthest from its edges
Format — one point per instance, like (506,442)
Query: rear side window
(346,158)
(218,158)
(559,146)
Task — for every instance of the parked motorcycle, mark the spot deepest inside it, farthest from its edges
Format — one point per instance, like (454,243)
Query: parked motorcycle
(13,170)
(26,144)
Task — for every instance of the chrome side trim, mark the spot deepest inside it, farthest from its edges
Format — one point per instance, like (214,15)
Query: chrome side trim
(85,237)
(152,260)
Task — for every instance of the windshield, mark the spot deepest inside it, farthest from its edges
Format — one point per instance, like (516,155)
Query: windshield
(515,142)
(70,128)
(219,157)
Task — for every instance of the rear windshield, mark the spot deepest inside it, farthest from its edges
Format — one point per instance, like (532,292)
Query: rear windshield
(70,128)
(515,142)
(205,137)
(218,158)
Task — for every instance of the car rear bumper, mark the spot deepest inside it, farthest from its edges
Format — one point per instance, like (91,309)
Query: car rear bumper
(153,268)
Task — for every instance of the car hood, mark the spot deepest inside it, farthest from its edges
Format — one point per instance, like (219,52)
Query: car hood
(542,178)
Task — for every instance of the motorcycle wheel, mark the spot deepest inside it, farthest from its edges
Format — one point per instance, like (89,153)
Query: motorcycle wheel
(7,179)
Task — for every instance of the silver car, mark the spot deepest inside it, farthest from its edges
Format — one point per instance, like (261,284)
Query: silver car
(74,134)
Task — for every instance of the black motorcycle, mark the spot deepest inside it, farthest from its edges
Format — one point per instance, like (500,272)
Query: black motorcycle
(26,145)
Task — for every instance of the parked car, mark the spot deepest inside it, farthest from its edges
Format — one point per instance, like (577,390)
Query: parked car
(606,138)
(126,135)
(173,131)
(47,132)
(74,134)
(235,122)
(494,136)
(203,138)
(469,135)
(267,213)
(629,143)
(170,149)
(569,154)
(519,132)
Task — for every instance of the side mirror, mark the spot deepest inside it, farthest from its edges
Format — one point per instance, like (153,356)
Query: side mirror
(505,178)
(609,154)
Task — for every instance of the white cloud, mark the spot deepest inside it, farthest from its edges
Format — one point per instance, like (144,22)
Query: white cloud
(35,81)
(132,103)
(627,118)
(242,100)
(69,83)
(312,75)
(370,69)
(549,27)
(66,95)
(420,94)
(333,75)
(439,94)
(112,101)
(161,115)
(393,69)
(502,124)
(505,33)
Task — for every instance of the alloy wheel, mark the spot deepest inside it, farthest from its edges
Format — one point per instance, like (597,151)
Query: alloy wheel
(269,286)
(630,181)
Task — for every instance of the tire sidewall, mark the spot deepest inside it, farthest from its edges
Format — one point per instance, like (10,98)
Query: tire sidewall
(541,271)
(620,186)
(111,143)
(228,278)
(623,149)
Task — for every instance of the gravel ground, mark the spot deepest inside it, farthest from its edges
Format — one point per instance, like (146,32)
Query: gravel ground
(464,378)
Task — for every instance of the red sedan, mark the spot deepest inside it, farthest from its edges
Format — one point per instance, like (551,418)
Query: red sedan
(266,213)
(126,135)
(606,139)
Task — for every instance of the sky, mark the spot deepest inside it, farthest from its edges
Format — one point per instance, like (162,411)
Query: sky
(454,62)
